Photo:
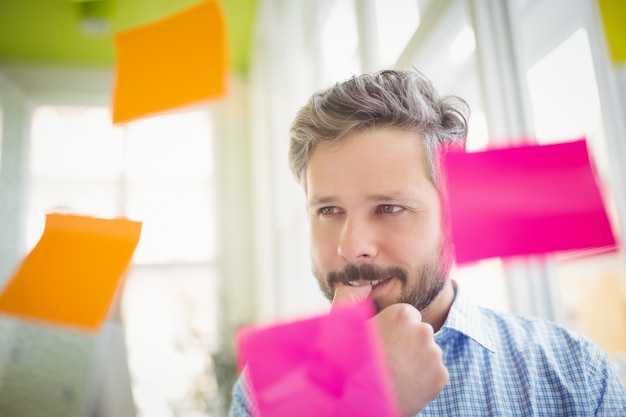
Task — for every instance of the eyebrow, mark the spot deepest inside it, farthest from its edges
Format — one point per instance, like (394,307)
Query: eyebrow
(376,198)
(317,201)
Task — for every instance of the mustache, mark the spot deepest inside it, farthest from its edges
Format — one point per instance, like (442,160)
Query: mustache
(366,272)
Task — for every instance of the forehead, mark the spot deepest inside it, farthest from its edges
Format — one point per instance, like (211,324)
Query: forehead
(377,159)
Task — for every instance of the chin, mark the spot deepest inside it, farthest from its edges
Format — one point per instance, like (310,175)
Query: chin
(381,303)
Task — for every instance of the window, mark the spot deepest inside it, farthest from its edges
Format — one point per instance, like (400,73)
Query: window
(448,58)
(396,21)
(339,38)
(75,165)
(565,106)
(1,134)
(159,171)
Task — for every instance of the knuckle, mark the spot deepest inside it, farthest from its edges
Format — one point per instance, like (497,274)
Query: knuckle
(425,330)
(405,313)
(443,378)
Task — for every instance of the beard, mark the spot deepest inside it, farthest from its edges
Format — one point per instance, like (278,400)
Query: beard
(420,285)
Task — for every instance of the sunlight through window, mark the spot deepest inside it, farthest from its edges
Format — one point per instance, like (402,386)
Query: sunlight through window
(397,20)
(158,171)
(340,41)
(463,46)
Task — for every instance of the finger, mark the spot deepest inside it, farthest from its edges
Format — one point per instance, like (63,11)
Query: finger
(349,295)
(402,313)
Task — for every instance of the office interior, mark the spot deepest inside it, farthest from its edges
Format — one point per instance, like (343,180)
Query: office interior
(224,241)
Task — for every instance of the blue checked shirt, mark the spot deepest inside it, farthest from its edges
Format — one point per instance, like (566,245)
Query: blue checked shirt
(505,365)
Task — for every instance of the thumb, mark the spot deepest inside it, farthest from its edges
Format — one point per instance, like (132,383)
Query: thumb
(349,295)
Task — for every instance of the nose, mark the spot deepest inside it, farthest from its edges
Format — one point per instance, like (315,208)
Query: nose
(357,242)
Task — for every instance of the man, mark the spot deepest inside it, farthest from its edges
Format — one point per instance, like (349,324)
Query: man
(366,152)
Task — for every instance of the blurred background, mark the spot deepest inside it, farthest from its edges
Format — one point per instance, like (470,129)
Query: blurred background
(224,240)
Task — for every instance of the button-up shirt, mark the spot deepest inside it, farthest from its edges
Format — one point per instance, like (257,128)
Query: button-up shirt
(507,365)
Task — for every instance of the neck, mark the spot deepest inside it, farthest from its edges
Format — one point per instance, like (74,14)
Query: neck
(437,312)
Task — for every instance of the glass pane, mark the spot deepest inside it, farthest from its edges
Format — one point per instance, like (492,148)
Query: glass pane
(170,315)
(484,283)
(169,148)
(478,134)
(178,221)
(1,134)
(462,46)
(340,42)
(169,172)
(397,20)
(75,143)
(158,171)
(449,60)
(565,106)
(88,198)
(75,165)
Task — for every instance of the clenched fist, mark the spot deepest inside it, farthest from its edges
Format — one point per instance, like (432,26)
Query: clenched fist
(414,360)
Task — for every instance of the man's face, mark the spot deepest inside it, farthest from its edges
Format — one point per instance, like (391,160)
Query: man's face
(375,216)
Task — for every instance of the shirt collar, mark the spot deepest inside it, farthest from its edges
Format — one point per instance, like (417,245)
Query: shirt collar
(466,318)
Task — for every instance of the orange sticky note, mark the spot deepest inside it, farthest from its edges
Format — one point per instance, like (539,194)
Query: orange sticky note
(613,14)
(71,275)
(177,61)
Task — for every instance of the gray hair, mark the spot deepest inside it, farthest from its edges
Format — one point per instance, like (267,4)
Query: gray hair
(401,100)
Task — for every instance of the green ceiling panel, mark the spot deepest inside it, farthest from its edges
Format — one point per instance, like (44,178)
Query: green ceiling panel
(51,32)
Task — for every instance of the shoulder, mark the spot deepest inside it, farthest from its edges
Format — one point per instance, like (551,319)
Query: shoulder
(544,341)
(543,363)
(241,401)
(526,332)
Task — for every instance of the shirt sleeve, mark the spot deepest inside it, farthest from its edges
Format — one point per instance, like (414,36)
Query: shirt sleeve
(242,403)
(607,392)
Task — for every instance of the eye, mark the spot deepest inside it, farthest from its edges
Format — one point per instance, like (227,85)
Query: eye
(389,209)
(329,211)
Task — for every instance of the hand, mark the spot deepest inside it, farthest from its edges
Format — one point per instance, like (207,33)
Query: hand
(414,360)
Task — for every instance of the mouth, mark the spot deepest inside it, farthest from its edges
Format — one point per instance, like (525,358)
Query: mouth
(373,283)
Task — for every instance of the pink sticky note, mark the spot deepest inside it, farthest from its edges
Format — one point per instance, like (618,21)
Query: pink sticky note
(328,365)
(525,200)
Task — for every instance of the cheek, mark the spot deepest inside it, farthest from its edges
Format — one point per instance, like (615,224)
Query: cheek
(323,243)
(415,240)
